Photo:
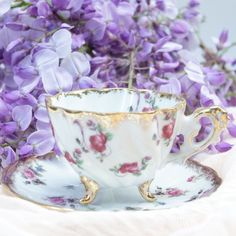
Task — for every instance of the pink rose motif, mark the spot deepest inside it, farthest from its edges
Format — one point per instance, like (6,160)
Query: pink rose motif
(69,157)
(129,168)
(28,174)
(147,95)
(174,192)
(190,179)
(57,200)
(167,130)
(147,158)
(78,151)
(90,123)
(98,142)
(146,109)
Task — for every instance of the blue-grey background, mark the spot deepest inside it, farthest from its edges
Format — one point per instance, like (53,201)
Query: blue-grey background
(220,14)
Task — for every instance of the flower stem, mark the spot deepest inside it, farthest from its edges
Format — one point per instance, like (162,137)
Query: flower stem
(131,70)
(226,49)
(22,4)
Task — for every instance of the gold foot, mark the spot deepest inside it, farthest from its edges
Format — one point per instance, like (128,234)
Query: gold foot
(144,191)
(91,188)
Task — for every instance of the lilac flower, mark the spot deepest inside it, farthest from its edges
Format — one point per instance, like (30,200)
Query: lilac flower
(180,29)
(173,87)
(77,64)
(46,59)
(60,5)
(97,28)
(43,9)
(223,37)
(194,72)
(168,8)
(193,3)
(215,77)
(61,42)
(223,146)
(22,115)
(5,5)
(222,41)
(170,47)
(41,141)
(3,108)
(52,46)
(232,129)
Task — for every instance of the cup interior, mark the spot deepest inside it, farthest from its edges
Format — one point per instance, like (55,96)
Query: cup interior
(114,100)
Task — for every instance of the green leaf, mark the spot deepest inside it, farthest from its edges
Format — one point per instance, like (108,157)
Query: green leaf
(109,136)
(99,128)
(78,141)
(113,169)
(79,163)
(137,174)
(20,4)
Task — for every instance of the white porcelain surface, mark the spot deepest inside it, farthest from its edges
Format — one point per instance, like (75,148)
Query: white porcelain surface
(125,148)
(50,181)
(115,101)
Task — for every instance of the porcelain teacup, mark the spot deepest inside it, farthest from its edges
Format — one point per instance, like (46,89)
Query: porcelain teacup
(120,137)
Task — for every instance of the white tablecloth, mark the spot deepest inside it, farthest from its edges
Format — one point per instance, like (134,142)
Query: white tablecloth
(214,215)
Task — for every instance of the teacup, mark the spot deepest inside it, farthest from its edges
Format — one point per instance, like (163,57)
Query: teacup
(120,137)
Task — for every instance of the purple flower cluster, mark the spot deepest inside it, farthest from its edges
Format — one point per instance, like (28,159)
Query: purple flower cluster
(51,46)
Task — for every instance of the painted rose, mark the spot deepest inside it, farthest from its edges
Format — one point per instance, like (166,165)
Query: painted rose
(57,200)
(190,179)
(167,130)
(147,95)
(147,109)
(90,123)
(129,168)
(78,151)
(69,157)
(147,158)
(98,142)
(174,192)
(28,174)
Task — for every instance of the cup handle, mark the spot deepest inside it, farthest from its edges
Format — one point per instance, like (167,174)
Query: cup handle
(191,127)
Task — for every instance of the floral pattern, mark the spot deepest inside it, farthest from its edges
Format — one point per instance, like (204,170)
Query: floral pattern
(170,192)
(77,160)
(194,181)
(32,175)
(68,202)
(167,130)
(151,101)
(97,142)
(131,168)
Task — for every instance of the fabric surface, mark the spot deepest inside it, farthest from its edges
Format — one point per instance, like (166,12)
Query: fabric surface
(213,215)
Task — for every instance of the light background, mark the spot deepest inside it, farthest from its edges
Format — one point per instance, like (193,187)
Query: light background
(220,14)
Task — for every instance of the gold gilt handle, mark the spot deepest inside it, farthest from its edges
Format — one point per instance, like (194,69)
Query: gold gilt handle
(190,129)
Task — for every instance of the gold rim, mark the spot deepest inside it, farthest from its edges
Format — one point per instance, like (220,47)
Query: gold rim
(180,104)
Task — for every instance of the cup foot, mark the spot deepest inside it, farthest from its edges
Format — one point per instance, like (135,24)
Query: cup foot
(91,188)
(144,191)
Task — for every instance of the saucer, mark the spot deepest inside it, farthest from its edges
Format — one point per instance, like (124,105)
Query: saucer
(49,181)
